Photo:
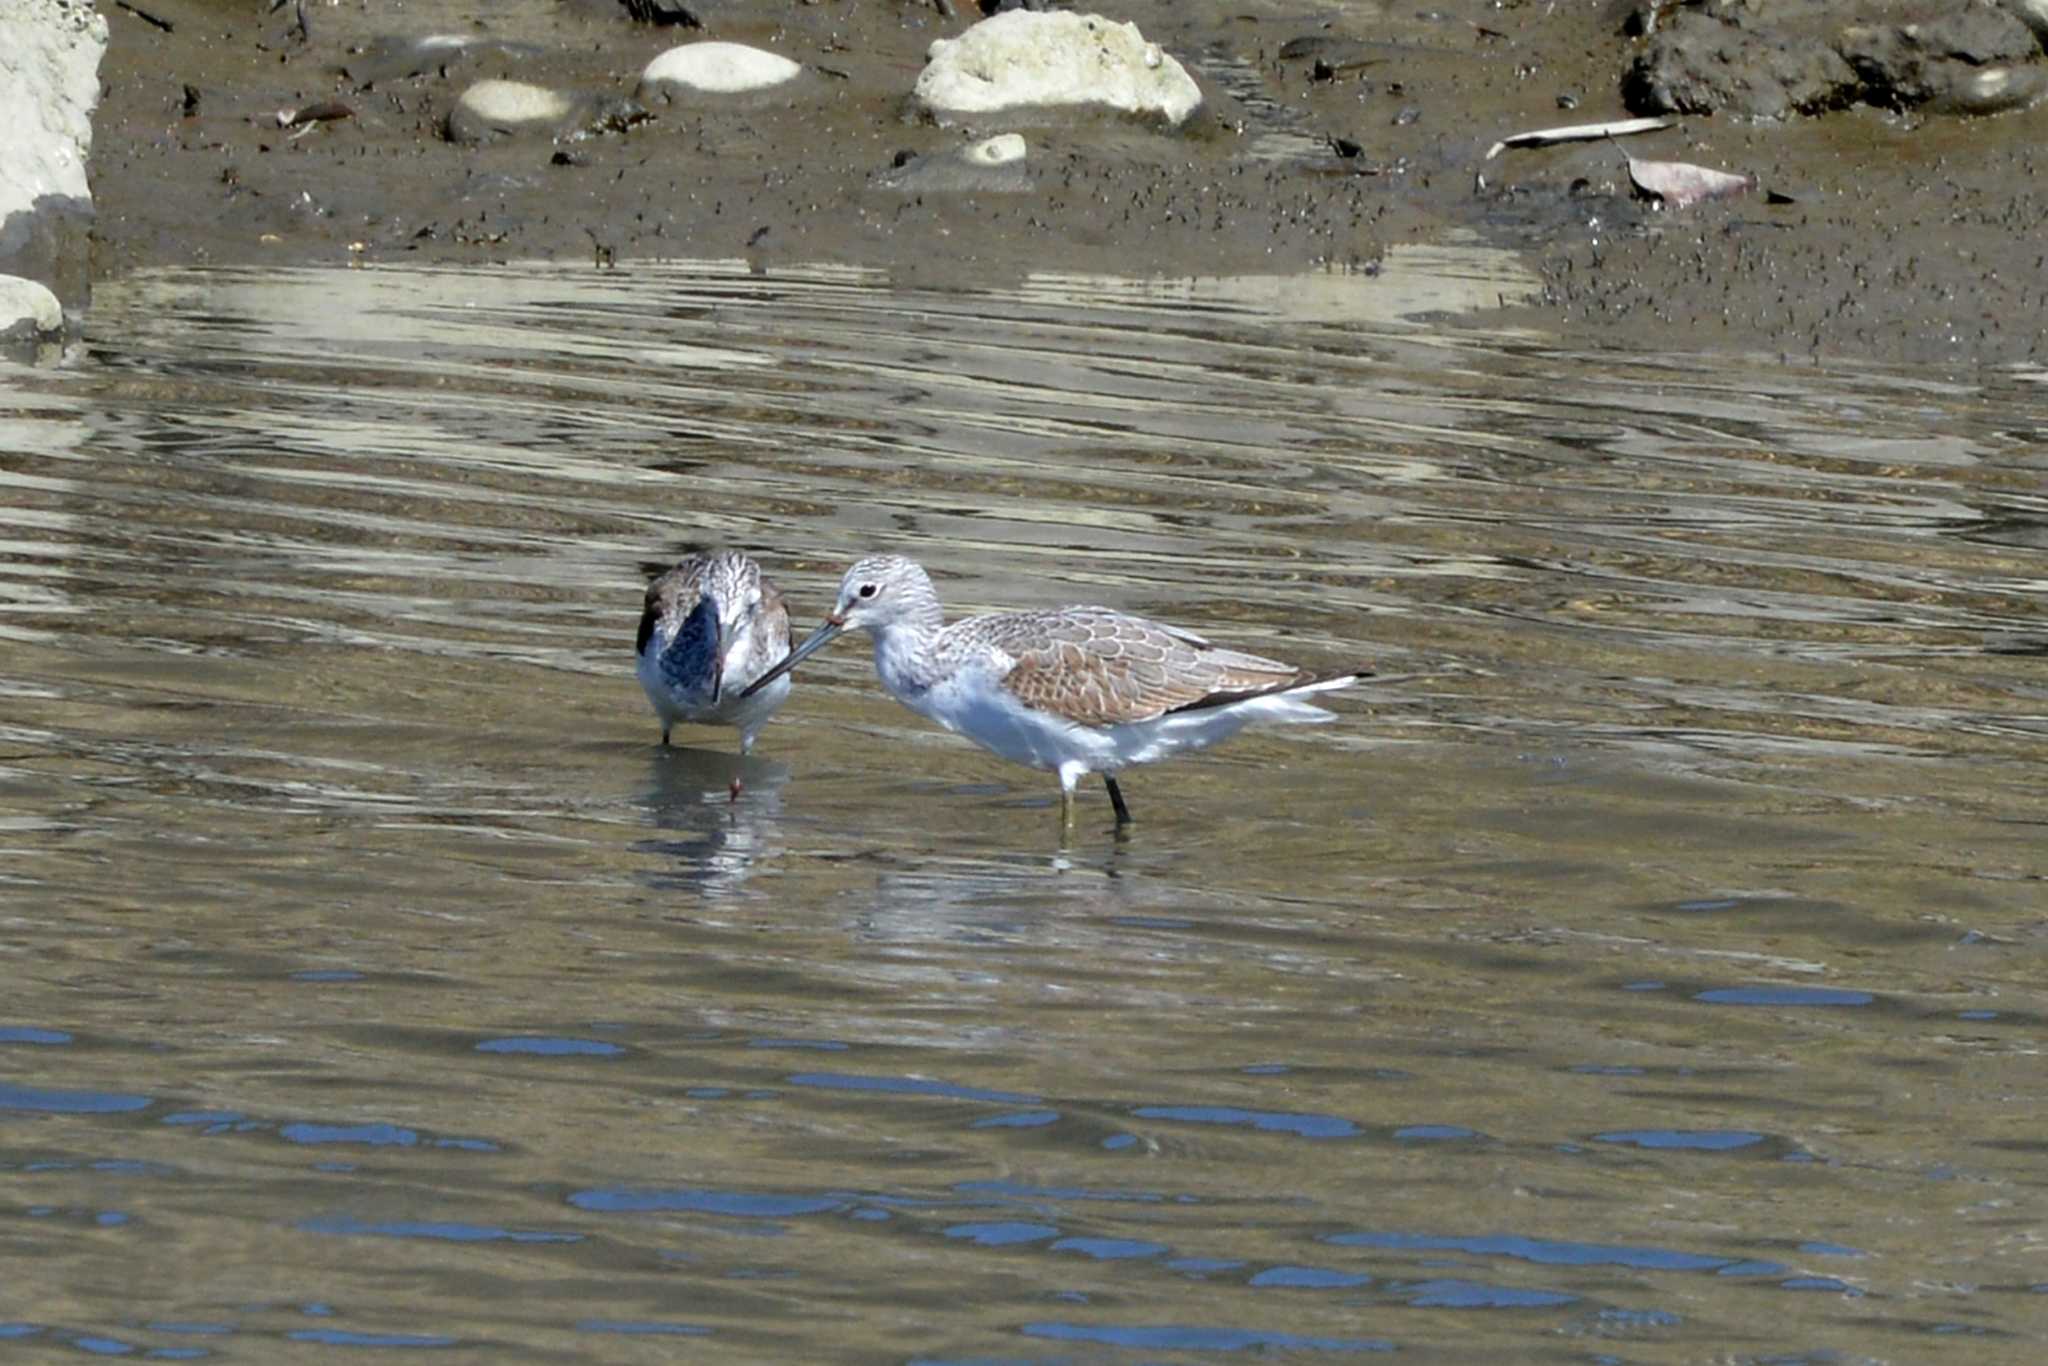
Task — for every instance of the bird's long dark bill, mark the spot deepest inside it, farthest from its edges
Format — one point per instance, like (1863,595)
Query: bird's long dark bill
(816,641)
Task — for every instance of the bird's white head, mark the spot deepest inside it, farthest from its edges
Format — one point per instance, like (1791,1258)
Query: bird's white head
(886,590)
(880,593)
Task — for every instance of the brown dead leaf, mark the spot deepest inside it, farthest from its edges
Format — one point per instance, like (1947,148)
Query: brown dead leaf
(1680,184)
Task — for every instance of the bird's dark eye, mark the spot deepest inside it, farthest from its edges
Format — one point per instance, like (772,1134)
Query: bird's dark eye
(868,590)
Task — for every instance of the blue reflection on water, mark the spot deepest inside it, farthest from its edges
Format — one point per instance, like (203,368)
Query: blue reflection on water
(1784,996)
(468,1145)
(1309,1278)
(1459,1294)
(447,1231)
(738,1204)
(1831,1250)
(336,1337)
(1271,1121)
(373,1135)
(1003,1232)
(1175,1337)
(1111,1249)
(1017,1119)
(548,1046)
(30,1034)
(1713,1140)
(1822,1283)
(70,1102)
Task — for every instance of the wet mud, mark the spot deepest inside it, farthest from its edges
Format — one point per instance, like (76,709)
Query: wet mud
(1330,135)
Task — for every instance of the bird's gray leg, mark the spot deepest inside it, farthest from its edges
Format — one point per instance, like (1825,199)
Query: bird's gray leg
(1116,799)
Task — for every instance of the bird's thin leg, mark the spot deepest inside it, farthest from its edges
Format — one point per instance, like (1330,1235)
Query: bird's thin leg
(1116,799)
(664,737)
(735,787)
(1066,807)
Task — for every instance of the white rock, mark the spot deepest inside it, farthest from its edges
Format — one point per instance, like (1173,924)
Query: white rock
(2032,13)
(1987,90)
(713,68)
(506,107)
(1026,60)
(49,82)
(992,166)
(515,102)
(28,309)
(997,151)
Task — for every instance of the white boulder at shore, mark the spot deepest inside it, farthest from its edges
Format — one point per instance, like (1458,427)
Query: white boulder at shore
(28,310)
(1028,61)
(714,68)
(489,108)
(49,82)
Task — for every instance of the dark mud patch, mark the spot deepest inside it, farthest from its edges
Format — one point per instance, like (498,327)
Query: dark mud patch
(1329,136)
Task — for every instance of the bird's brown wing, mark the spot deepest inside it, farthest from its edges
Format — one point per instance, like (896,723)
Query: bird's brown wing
(1097,667)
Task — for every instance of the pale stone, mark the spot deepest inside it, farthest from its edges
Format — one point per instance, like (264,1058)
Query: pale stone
(2032,13)
(713,68)
(997,151)
(1992,90)
(28,309)
(992,166)
(506,107)
(49,82)
(1025,61)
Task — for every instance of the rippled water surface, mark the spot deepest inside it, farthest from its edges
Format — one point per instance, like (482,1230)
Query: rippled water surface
(1648,966)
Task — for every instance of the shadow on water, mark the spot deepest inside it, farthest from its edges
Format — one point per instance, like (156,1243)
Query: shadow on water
(1646,965)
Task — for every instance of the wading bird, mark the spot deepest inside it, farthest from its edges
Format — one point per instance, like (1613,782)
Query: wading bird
(1075,691)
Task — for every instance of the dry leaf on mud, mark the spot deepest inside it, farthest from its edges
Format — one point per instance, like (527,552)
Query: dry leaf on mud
(1680,184)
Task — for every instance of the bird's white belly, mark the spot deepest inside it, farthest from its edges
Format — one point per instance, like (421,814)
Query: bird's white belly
(980,708)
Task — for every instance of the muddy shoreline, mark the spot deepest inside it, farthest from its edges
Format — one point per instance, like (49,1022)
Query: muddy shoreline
(1330,135)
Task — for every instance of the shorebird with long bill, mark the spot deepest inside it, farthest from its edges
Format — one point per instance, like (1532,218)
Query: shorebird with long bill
(713,632)
(1077,690)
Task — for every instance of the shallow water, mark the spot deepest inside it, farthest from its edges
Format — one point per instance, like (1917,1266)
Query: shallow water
(1646,967)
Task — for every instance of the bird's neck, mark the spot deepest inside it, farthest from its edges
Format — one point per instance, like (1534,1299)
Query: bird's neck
(904,658)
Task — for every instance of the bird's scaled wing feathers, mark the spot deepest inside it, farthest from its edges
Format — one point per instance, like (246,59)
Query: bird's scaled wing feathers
(1103,668)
